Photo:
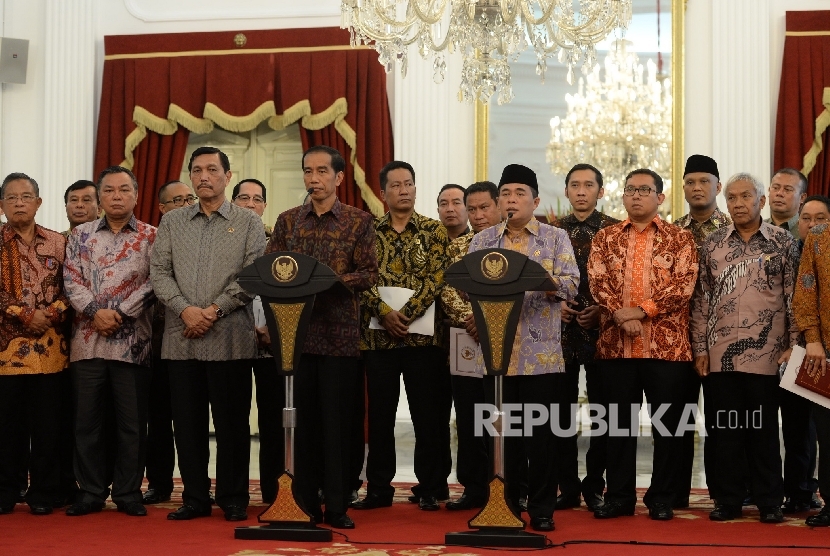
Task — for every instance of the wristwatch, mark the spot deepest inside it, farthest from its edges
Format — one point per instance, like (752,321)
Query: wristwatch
(220,312)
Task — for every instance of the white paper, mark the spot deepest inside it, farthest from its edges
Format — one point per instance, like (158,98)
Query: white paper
(462,353)
(788,380)
(397,298)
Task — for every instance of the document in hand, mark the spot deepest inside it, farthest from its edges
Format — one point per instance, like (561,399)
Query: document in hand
(397,298)
(790,379)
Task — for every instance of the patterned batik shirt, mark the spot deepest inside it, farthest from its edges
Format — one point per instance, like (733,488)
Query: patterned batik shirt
(743,316)
(196,260)
(702,230)
(111,270)
(579,345)
(415,259)
(344,239)
(661,282)
(811,299)
(455,305)
(537,348)
(31,279)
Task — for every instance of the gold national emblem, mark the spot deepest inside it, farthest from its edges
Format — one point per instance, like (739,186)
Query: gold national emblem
(284,268)
(494,266)
(467,353)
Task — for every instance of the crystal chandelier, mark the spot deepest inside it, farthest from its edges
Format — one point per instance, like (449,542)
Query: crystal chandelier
(488,33)
(618,123)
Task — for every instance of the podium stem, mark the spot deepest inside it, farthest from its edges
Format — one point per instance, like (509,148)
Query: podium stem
(498,445)
(289,422)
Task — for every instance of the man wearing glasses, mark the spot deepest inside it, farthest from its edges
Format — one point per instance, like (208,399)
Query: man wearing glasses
(250,193)
(642,273)
(161,456)
(208,333)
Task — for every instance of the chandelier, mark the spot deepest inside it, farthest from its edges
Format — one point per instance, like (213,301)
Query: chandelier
(618,123)
(488,33)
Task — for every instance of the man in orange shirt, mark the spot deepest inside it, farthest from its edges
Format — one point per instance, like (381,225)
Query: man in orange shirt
(642,273)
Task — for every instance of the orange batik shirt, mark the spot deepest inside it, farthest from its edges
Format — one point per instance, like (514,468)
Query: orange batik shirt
(655,269)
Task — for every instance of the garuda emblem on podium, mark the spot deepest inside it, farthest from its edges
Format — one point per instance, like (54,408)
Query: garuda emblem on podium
(284,269)
(494,266)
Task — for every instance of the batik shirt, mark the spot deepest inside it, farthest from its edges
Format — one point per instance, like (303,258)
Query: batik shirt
(702,230)
(579,344)
(415,259)
(111,270)
(743,316)
(455,306)
(811,300)
(537,348)
(344,239)
(31,278)
(654,269)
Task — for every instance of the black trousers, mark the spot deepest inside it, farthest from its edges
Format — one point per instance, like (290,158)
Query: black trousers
(30,408)
(821,417)
(684,475)
(161,451)
(128,384)
(535,452)
(665,384)
(594,481)
(270,401)
(742,418)
(224,386)
(567,451)
(795,429)
(472,460)
(424,376)
(357,435)
(324,420)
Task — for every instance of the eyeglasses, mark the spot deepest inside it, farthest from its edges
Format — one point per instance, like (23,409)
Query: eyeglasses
(26,198)
(818,219)
(181,200)
(643,191)
(245,198)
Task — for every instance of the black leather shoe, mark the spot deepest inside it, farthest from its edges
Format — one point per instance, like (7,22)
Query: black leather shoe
(815,502)
(660,512)
(371,502)
(611,510)
(428,504)
(187,512)
(235,513)
(83,508)
(725,512)
(821,519)
(414,498)
(791,506)
(464,503)
(771,514)
(566,501)
(523,503)
(542,524)
(593,501)
(153,496)
(40,509)
(135,509)
(338,521)
(6,509)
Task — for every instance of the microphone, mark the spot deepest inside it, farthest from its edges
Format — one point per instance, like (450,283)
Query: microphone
(501,239)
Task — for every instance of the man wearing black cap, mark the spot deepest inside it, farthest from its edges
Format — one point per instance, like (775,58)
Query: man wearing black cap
(701,186)
(535,374)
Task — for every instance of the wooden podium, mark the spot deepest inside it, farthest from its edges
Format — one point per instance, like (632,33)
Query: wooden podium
(496,281)
(287,284)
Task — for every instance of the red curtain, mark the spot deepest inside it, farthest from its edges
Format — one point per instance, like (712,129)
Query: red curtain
(158,88)
(802,100)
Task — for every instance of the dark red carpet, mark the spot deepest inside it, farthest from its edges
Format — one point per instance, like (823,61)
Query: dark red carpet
(402,530)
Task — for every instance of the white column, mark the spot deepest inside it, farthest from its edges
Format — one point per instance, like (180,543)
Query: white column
(741,116)
(433,131)
(68,110)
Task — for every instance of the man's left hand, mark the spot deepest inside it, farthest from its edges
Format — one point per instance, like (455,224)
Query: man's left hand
(588,318)
(628,313)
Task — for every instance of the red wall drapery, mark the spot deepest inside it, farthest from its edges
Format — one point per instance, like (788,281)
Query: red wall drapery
(804,99)
(158,88)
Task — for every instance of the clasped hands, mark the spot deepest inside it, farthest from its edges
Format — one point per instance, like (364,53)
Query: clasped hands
(106,321)
(396,323)
(39,324)
(587,318)
(198,321)
(629,320)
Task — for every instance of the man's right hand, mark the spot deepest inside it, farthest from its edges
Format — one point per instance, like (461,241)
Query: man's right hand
(396,323)
(816,357)
(470,325)
(701,365)
(106,321)
(39,324)
(196,324)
